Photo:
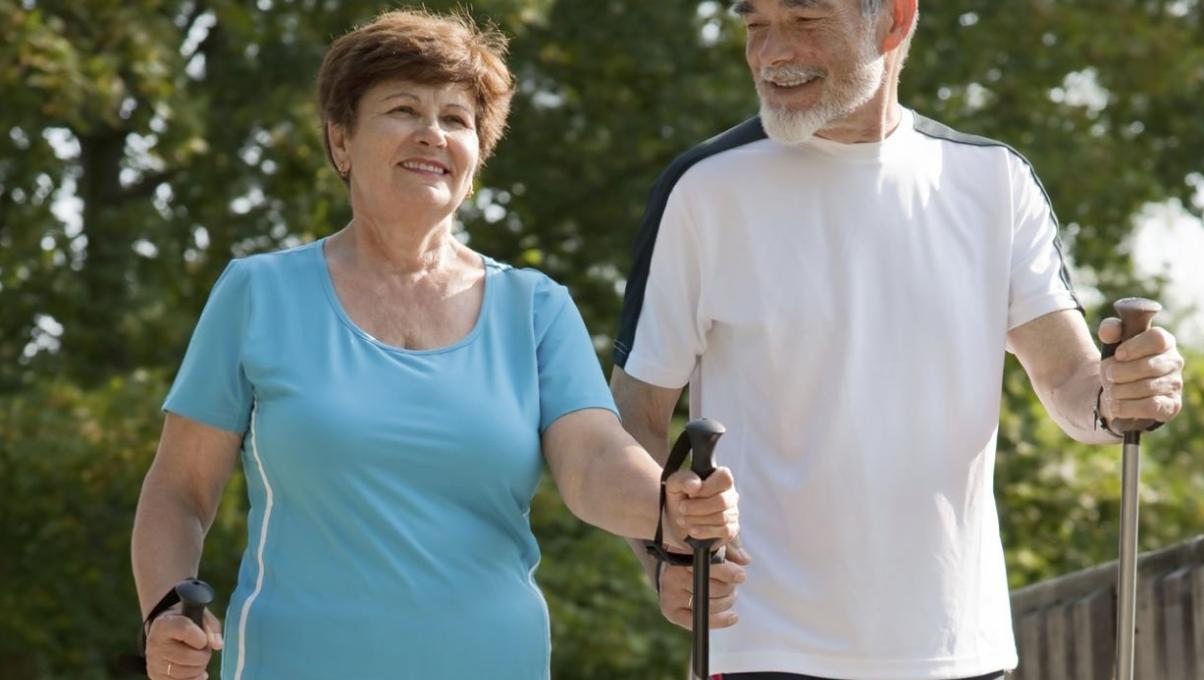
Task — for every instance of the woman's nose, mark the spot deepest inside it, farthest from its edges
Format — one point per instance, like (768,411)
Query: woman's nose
(429,132)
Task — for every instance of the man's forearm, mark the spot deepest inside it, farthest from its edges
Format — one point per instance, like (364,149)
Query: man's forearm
(1072,406)
(657,445)
(646,411)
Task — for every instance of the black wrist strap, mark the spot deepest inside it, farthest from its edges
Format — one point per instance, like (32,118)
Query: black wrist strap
(167,602)
(135,664)
(656,547)
(1101,423)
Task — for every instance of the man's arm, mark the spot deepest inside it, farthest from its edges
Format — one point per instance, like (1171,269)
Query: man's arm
(646,411)
(1143,380)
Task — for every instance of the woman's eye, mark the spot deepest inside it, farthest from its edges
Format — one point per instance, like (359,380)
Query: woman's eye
(402,109)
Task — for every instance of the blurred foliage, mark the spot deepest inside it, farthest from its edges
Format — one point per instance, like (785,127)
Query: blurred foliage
(71,463)
(1059,501)
(144,142)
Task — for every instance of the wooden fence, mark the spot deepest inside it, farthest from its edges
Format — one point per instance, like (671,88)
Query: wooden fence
(1066,627)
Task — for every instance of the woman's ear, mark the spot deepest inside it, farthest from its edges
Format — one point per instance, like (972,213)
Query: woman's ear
(336,135)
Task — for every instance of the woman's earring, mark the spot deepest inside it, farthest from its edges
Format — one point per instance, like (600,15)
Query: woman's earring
(344,172)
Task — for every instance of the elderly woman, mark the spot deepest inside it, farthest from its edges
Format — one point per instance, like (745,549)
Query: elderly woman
(393,396)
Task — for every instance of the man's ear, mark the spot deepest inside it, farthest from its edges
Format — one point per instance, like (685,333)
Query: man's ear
(902,17)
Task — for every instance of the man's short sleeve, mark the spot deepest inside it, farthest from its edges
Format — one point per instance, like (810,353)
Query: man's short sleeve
(1040,279)
(570,377)
(212,385)
(664,330)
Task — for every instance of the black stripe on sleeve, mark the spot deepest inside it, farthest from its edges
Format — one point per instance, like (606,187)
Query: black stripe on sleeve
(633,298)
(931,128)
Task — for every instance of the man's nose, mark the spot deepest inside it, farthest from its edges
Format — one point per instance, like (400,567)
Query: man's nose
(777,48)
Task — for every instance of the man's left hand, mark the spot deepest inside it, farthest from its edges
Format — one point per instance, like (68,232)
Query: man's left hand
(1144,379)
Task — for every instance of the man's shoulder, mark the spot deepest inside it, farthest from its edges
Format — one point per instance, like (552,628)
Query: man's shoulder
(746,132)
(941,132)
(743,134)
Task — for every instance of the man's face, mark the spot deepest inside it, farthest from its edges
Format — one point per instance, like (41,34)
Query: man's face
(814,62)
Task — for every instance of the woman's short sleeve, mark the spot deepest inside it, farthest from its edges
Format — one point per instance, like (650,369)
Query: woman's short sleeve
(570,377)
(211,386)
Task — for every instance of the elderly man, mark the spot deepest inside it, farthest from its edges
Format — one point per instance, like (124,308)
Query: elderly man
(838,281)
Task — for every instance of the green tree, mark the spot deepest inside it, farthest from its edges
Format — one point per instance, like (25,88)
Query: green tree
(71,462)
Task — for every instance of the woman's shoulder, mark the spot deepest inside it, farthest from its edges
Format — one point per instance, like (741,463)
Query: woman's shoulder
(542,289)
(285,265)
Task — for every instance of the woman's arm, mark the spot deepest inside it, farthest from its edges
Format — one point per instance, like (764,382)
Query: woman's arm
(607,479)
(179,500)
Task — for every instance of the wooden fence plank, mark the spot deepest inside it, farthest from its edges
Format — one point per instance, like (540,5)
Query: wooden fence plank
(1175,601)
(1147,660)
(1093,643)
(1059,640)
(1031,631)
(1066,627)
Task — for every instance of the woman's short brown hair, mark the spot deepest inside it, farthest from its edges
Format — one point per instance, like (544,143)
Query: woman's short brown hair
(423,47)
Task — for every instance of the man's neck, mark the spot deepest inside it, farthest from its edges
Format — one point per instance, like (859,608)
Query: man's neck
(864,130)
(874,120)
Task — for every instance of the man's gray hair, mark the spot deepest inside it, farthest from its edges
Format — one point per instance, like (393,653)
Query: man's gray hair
(871,7)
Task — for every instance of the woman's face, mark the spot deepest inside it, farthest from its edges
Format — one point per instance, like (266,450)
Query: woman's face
(413,147)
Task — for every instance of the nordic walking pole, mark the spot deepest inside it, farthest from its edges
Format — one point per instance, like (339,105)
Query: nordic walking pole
(703,434)
(1135,317)
(195,595)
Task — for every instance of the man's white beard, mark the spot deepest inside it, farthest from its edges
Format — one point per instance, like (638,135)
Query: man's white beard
(841,98)
(793,127)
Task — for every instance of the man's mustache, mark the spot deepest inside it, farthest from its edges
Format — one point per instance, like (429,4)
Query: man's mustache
(789,72)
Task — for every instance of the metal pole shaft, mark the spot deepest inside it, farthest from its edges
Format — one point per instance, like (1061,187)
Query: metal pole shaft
(1126,603)
(702,611)
(704,434)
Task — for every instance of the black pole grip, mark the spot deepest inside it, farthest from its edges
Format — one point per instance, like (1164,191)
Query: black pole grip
(195,595)
(704,434)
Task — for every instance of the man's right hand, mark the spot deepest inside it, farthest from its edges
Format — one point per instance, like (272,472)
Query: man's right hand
(177,649)
(677,590)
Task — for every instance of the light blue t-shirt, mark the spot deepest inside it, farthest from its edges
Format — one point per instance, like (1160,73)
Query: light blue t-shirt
(388,533)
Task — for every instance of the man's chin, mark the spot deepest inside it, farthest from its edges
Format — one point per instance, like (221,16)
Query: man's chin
(789,126)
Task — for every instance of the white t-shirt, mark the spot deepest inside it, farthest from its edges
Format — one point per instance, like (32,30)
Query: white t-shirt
(843,310)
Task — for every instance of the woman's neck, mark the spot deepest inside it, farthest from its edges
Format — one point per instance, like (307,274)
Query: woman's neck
(398,248)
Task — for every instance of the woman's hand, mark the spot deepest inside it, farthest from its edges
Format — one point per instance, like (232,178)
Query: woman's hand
(177,649)
(702,509)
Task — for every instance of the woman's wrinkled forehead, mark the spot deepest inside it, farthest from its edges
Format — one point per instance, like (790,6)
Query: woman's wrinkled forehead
(453,94)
